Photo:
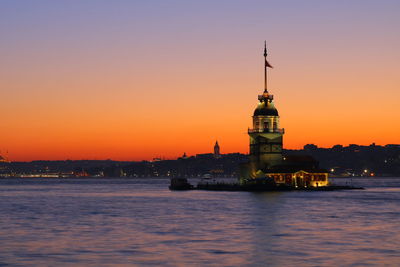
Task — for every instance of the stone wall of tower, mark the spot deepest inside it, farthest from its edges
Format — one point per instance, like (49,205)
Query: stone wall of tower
(266,149)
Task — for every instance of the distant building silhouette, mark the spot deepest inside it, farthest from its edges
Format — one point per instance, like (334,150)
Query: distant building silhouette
(358,160)
(3,158)
(217,153)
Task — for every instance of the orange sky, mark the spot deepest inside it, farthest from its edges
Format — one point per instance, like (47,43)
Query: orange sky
(113,85)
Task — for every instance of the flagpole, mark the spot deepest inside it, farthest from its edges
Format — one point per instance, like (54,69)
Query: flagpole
(265,67)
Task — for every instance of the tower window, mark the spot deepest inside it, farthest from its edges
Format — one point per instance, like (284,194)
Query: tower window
(275,125)
(266,124)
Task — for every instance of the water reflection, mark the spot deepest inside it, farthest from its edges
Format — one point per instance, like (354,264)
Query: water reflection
(125,222)
(329,229)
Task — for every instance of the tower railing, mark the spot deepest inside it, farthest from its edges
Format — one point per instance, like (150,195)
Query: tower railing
(261,97)
(266,130)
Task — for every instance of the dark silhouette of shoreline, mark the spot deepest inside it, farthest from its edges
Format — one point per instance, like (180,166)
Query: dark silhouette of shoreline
(352,160)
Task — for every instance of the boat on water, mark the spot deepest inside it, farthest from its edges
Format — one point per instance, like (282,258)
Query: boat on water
(179,183)
(206,177)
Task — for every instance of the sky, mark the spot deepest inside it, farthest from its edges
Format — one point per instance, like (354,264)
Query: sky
(134,80)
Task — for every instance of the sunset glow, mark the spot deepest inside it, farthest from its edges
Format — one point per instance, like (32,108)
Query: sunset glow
(133,81)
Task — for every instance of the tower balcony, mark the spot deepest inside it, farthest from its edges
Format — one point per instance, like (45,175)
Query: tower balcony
(265,96)
(266,130)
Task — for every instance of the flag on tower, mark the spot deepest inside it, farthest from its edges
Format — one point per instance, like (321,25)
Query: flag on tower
(267,65)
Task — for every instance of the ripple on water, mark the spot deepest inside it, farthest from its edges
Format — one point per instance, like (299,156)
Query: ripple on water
(95,222)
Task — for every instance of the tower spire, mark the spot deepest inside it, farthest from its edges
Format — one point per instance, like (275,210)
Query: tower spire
(265,67)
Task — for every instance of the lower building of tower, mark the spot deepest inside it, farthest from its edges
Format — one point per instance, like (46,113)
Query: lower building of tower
(298,171)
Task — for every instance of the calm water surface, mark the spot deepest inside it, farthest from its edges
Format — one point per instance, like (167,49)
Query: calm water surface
(103,222)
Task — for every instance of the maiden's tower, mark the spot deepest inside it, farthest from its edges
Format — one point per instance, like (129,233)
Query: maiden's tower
(267,163)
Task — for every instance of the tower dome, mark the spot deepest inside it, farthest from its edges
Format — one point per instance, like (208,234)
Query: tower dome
(266,108)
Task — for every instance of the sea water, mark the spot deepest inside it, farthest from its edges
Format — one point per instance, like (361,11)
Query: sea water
(139,222)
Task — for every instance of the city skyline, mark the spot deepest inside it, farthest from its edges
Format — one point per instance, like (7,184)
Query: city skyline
(131,81)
